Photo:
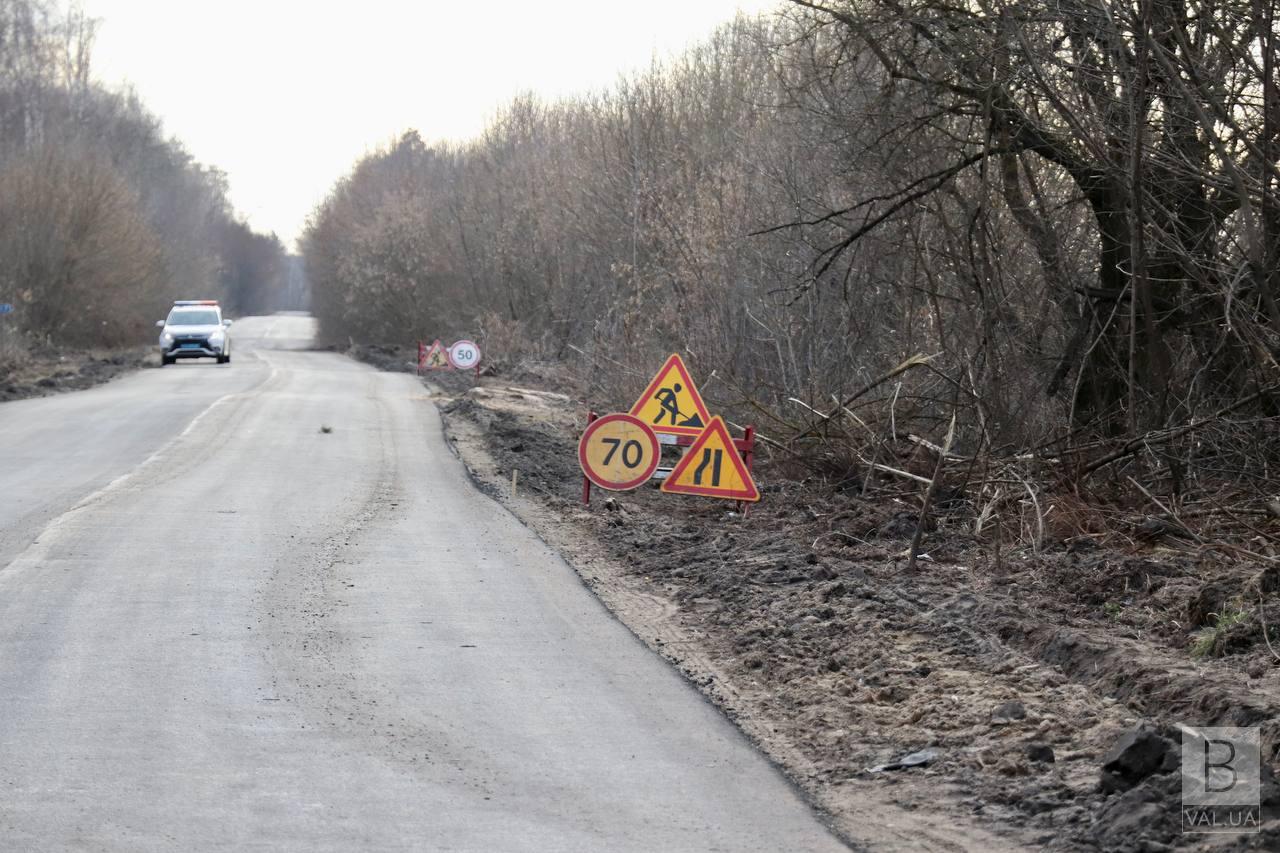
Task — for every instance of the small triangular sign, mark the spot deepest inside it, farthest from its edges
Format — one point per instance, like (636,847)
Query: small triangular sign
(712,468)
(435,358)
(671,404)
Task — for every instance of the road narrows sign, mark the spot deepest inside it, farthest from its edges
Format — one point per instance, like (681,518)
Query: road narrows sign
(464,355)
(618,452)
(712,468)
(671,404)
(434,358)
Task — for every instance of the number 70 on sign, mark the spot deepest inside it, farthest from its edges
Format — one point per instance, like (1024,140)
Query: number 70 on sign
(618,452)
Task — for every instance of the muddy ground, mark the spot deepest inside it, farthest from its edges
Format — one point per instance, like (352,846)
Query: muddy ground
(51,370)
(1045,689)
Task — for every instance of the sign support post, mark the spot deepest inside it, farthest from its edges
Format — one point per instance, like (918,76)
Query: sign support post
(592,417)
(748,456)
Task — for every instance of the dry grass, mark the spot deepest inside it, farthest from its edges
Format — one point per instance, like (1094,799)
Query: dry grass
(13,348)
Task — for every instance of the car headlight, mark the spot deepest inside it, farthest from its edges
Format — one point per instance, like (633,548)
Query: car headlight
(167,337)
(216,339)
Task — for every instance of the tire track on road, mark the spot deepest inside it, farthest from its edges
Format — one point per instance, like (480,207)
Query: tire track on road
(315,660)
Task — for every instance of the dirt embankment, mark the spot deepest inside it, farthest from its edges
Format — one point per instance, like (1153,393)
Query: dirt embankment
(51,370)
(1039,694)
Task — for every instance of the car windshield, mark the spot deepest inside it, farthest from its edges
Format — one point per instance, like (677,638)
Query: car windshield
(203,317)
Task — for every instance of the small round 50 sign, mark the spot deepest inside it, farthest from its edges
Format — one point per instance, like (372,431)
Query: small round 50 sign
(464,355)
(618,452)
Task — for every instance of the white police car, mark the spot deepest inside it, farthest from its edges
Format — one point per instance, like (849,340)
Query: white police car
(195,329)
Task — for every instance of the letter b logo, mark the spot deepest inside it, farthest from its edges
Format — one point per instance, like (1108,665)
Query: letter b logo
(1219,772)
(1221,766)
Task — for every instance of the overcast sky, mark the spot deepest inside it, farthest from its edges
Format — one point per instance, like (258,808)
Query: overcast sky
(285,95)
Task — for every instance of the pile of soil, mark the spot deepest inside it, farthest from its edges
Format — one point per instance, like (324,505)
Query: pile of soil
(52,370)
(1014,679)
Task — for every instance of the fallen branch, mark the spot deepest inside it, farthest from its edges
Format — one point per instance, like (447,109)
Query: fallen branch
(898,473)
(914,361)
(1262,620)
(1035,503)
(929,445)
(1165,436)
(928,495)
(1155,500)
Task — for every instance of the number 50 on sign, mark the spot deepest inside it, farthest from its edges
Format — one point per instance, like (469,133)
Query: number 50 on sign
(618,452)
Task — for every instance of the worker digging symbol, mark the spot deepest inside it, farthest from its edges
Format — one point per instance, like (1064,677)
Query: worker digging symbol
(434,358)
(667,399)
(672,402)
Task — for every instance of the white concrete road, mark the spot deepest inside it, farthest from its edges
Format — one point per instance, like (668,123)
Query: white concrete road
(221,628)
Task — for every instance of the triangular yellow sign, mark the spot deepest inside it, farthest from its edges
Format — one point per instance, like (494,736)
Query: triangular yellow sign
(712,468)
(671,404)
(436,358)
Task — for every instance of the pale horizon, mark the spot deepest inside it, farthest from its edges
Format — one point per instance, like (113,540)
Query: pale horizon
(284,97)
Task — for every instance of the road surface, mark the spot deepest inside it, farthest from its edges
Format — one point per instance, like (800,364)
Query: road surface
(222,627)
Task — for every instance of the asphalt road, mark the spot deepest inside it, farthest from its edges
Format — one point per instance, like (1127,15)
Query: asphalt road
(223,628)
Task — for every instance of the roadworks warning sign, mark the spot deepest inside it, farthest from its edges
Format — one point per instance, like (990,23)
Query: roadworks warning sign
(435,358)
(671,404)
(712,468)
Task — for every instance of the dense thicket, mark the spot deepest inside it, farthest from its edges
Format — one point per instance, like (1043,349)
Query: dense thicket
(1069,208)
(103,220)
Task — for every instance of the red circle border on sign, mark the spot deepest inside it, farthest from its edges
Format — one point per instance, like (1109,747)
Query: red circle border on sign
(630,484)
(449,354)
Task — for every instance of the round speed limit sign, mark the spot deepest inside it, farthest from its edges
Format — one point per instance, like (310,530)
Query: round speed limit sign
(618,452)
(464,355)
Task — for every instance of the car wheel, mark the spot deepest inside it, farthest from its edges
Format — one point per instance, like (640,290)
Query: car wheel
(165,361)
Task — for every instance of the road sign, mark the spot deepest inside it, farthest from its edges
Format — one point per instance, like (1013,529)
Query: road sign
(712,468)
(6,308)
(671,404)
(434,358)
(618,452)
(464,355)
